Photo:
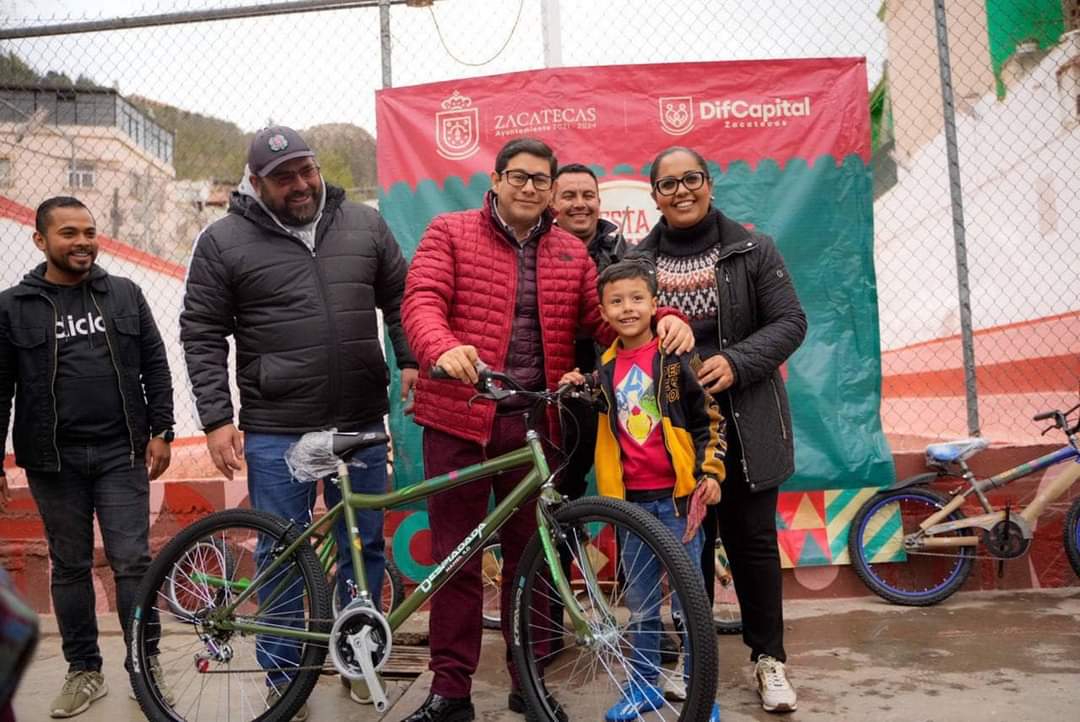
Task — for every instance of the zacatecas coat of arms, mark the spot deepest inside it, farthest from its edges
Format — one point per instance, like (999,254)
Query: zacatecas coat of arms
(457,128)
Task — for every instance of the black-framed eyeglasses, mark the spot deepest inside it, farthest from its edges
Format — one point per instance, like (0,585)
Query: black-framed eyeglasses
(288,177)
(518,179)
(669,185)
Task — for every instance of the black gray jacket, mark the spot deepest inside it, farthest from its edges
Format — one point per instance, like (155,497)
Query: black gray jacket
(28,362)
(607,246)
(760,324)
(307,340)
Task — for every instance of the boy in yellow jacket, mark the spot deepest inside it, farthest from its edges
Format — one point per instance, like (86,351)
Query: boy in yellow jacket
(660,443)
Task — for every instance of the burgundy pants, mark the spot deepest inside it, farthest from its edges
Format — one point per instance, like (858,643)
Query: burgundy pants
(456,623)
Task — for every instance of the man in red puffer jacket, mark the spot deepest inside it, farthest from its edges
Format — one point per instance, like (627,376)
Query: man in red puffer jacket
(503,285)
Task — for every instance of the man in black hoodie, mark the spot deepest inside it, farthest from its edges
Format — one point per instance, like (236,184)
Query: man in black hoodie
(81,355)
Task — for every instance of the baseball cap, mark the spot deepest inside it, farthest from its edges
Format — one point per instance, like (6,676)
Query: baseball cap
(273,146)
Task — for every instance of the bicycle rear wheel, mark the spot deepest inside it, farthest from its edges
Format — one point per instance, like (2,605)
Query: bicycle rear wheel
(1072,536)
(189,662)
(617,551)
(914,577)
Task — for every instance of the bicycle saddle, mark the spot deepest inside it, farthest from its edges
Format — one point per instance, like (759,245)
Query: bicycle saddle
(950,451)
(346,443)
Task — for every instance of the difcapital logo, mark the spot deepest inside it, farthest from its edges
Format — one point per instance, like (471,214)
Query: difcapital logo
(457,128)
(741,113)
(677,116)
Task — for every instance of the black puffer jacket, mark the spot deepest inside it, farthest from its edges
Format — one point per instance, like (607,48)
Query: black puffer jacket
(307,340)
(28,318)
(761,323)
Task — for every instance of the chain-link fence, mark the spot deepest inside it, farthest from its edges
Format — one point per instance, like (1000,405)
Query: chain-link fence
(975,211)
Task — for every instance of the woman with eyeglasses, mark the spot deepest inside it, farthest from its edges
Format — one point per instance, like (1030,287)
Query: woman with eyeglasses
(732,285)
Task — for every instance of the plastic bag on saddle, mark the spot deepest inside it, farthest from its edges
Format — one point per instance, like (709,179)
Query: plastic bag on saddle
(312,457)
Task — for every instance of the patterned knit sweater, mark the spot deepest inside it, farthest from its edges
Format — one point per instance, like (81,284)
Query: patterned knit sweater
(686,275)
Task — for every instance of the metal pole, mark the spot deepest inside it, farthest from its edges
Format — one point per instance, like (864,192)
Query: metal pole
(384,34)
(551,29)
(959,234)
(192,16)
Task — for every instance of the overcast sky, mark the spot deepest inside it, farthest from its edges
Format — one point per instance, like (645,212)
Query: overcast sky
(325,67)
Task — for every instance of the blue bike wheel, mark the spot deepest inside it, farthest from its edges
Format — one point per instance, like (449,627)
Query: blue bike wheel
(1072,536)
(909,576)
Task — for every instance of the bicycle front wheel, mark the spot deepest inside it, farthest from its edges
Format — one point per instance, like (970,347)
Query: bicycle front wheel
(917,576)
(631,577)
(1072,536)
(189,659)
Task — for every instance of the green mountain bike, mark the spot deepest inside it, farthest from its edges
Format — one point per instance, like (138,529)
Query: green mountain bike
(255,651)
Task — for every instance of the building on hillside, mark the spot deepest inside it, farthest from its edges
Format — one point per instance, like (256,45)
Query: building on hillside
(92,143)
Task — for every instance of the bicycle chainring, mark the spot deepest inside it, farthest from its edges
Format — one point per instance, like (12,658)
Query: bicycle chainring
(351,621)
(1005,540)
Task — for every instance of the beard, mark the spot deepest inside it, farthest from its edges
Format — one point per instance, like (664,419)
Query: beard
(76,267)
(291,214)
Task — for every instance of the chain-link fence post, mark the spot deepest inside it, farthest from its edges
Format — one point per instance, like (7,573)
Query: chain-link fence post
(959,232)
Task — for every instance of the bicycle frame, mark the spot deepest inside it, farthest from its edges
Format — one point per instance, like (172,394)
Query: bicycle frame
(1026,518)
(536,479)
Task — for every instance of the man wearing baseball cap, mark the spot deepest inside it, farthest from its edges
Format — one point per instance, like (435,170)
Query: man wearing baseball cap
(295,274)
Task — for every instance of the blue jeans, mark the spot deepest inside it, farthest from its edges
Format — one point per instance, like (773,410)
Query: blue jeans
(644,592)
(271,488)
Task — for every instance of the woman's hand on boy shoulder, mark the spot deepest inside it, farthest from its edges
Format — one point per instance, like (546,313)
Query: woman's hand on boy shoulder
(675,335)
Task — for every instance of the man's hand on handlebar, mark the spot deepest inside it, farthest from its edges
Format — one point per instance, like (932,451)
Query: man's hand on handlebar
(572,378)
(460,363)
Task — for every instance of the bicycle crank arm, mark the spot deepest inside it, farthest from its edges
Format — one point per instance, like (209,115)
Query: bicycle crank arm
(363,648)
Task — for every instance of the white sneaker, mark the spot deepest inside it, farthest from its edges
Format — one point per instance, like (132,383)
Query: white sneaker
(674,683)
(777,694)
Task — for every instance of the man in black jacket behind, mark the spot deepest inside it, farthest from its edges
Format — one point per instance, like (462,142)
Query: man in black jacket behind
(295,274)
(81,354)
(576,204)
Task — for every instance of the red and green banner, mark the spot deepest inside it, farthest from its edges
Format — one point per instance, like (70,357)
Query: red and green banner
(788,144)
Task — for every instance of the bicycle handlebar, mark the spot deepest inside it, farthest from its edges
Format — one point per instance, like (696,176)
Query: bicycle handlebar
(1061,420)
(507,386)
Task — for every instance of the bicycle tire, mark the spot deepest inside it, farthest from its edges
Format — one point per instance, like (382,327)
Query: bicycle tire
(915,580)
(491,577)
(295,596)
(393,589)
(727,615)
(1072,535)
(181,602)
(576,681)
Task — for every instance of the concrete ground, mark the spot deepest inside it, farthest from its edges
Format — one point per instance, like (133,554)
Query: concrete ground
(981,656)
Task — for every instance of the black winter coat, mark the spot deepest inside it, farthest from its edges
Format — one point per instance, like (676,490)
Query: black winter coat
(307,340)
(28,362)
(760,324)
